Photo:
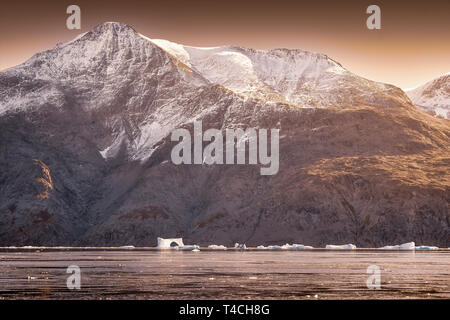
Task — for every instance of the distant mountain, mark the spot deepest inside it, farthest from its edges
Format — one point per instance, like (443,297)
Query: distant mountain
(85,149)
(433,97)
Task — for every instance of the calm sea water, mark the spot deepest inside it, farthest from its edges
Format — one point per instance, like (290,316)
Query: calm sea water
(149,274)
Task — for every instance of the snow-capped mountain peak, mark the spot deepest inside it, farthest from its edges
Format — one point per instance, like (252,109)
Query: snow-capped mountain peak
(112,69)
(272,75)
(297,77)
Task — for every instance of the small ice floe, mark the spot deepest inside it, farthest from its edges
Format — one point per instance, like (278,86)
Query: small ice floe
(261,247)
(240,246)
(127,247)
(404,246)
(190,247)
(217,247)
(341,247)
(426,248)
(196,250)
(295,247)
(287,246)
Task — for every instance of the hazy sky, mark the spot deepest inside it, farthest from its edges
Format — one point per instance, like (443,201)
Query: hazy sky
(412,47)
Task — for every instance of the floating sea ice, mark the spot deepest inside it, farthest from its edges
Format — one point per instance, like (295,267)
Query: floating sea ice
(300,246)
(341,247)
(295,246)
(268,247)
(189,247)
(426,248)
(404,246)
(240,246)
(127,247)
(217,247)
(287,246)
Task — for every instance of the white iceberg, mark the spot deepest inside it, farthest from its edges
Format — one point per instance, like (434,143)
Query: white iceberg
(217,247)
(404,246)
(166,243)
(341,247)
(408,246)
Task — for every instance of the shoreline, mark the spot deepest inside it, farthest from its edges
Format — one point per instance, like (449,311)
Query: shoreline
(204,249)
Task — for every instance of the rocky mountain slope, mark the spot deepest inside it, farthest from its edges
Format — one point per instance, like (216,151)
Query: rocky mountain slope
(85,149)
(433,97)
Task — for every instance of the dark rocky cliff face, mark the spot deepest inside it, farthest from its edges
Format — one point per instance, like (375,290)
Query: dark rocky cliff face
(96,114)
